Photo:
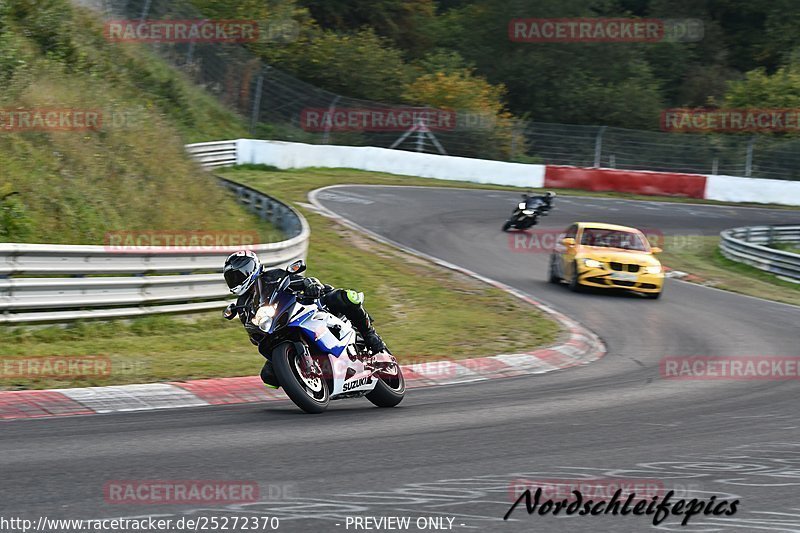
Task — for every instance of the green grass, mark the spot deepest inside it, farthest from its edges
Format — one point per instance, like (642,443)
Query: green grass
(700,256)
(131,173)
(424,312)
(787,247)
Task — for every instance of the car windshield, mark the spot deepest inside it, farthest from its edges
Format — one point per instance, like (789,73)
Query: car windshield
(613,238)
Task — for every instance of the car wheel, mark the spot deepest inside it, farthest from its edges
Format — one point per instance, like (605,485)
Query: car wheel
(552,277)
(654,295)
(574,285)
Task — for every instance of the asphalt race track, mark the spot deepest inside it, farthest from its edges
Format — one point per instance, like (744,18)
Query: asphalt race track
(455,451)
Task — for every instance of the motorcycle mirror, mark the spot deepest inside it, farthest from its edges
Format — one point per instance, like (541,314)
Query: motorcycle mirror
(297,267)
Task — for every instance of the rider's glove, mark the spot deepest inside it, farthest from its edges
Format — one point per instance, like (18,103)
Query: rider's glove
(229,313)
(312,288)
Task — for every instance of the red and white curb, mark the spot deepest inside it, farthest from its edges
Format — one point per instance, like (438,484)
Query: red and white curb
(581,347)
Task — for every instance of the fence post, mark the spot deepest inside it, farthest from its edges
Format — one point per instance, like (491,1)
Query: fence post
(327,134)
(715,166)
(598,146)
(748,162)
(145,11)
(256,114)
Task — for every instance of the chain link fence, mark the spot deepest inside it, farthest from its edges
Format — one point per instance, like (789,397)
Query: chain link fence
(274,105)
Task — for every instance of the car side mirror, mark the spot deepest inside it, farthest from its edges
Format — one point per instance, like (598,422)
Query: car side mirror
(656,250)
(297,267)
(568,241)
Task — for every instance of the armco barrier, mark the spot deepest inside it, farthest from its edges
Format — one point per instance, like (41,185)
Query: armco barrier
(747,245)
(125,284)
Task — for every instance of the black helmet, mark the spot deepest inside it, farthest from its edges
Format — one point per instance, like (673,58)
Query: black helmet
(241,270)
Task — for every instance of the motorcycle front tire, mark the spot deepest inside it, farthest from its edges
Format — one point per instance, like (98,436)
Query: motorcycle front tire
(283,362)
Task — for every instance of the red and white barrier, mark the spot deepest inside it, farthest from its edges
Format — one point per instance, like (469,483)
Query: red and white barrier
(631,181)
(287,155)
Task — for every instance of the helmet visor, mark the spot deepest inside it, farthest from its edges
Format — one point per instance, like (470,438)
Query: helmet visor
(234,278)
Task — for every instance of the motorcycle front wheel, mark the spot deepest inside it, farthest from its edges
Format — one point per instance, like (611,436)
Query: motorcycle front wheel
(310,393)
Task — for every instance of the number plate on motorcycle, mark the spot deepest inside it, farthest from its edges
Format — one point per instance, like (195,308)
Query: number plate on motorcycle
(624,276)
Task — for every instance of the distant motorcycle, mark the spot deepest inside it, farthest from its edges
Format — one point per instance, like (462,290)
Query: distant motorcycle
(527,212)
(318,356)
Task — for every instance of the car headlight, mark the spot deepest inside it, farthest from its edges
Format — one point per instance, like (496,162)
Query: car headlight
(521,205)
(592,263)
(263,318)
(653,269)
(527,211)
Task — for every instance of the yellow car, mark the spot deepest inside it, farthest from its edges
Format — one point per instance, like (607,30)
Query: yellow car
(607,256)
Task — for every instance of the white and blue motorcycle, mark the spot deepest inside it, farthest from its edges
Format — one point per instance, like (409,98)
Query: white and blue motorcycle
(317,356)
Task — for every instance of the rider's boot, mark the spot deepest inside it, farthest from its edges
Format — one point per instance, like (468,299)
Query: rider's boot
(373,341)
(268,376)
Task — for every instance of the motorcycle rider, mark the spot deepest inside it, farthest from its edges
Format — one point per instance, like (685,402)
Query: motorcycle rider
(535,202)
(243,269)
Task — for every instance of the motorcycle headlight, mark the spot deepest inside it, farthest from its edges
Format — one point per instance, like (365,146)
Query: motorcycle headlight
(653,269)
(263,318)
(592,263)
(527,211)
(521,205)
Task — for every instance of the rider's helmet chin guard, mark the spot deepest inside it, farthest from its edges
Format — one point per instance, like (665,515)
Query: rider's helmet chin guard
(241,271)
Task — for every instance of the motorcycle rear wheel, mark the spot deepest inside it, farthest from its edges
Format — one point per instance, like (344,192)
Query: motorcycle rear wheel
(310,394)
(389,390)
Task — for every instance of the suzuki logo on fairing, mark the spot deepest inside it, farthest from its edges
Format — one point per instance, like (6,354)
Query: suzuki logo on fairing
(357,383)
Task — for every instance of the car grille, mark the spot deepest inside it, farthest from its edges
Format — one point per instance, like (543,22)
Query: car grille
(623,267)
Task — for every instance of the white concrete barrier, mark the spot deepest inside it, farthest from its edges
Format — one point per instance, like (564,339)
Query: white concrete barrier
(286,155)
(762,191)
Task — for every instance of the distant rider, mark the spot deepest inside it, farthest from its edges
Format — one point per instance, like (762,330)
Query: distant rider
(243,268)
(533,201)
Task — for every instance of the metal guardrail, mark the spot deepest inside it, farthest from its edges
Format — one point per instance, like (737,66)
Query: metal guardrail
(213,154)
(88,282)
(750,245)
